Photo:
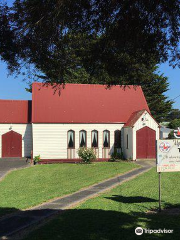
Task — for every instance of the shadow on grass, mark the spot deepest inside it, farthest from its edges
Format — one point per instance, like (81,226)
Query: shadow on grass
(16,219)
(91,224)
(136,199)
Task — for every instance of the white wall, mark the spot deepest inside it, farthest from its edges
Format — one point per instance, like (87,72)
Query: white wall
(50,140)
(25,130)
(164,132)
(148,122)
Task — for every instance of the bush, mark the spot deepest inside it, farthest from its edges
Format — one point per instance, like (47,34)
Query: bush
(174,124)
(115,156)
(86,154)
(171,135)
(37,159)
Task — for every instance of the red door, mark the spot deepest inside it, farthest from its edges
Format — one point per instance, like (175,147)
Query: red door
(11,144)
(145,143)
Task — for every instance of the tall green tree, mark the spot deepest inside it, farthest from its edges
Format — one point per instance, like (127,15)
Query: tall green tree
(173,114)
(94,41)
(174,124)
(85,40)
(155,86)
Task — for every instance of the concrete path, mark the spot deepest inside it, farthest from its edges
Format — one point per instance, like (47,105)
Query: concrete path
(8,164)
(20,221)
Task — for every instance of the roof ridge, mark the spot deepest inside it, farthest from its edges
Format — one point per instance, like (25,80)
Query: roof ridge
(15,100)
(89,84)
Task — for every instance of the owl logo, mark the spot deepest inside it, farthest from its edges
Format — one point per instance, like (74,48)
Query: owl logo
(164,147)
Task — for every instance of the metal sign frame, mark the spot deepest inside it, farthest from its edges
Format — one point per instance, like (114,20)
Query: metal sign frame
(168,159)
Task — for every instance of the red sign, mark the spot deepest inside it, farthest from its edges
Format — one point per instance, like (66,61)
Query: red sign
(177,133)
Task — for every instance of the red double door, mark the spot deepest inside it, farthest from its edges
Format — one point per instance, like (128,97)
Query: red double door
(145,143)
(11,144)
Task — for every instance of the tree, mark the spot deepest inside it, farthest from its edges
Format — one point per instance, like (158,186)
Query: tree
(96,41)
(155,86)
(174,124)
(86,41)
(174,114)
(7,39)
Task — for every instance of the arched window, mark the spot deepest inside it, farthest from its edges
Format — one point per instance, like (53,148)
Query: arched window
(94,139)
(71,139)
(106,139)
(117,139)
(82,138)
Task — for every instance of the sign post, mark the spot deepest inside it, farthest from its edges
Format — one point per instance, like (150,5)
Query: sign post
(168,159)
(159,192)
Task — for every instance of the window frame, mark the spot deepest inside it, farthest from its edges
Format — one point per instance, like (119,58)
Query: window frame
(97,138)
(85,137)
(109,139)
(115,138)
(127,141)
(74,139)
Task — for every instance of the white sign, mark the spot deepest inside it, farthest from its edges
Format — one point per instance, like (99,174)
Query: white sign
(168,155)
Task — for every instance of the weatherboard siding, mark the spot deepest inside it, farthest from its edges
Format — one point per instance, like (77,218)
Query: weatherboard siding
(50,140)
(25,130)
(151,123)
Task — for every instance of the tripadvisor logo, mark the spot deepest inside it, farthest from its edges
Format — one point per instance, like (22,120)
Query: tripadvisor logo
(139,231)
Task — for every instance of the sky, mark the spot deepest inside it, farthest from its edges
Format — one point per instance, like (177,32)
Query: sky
(14,88)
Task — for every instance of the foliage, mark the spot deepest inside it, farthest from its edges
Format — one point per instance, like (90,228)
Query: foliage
(37,159)
(174,114)
(108,41)
(154,86)
(7,38)
(165,124)
(174,124)
(115,156)
(96,41)
(86,154)
(171,135)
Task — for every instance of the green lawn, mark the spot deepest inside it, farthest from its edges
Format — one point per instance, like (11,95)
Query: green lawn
(115,214)
(31,186)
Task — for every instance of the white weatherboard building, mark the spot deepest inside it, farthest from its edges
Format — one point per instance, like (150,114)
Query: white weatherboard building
(55,125)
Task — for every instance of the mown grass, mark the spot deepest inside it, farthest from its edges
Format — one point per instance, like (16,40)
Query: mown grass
(116,214)
(28,187)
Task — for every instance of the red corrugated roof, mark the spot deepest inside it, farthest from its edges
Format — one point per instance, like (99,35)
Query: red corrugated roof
(84,103)
(133,118)
(15,111)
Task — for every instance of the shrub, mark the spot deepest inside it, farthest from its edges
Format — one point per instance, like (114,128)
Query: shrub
(86,154)
(171,135)
(115,156)
(37,159)
(174,124)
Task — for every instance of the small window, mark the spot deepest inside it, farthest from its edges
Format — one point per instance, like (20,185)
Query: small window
(71,139)
(94,139)
(82,138)
(127,141)
(106,139)
(117,139)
